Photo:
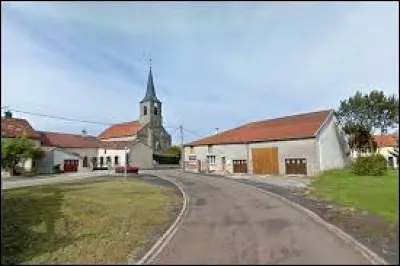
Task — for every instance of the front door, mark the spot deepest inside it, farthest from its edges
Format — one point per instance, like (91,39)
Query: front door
(223,163)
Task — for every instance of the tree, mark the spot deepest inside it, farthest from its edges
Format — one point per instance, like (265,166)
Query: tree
(18,150)
(361,114)
(174,150)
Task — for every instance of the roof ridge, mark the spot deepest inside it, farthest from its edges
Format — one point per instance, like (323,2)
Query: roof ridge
(62,133)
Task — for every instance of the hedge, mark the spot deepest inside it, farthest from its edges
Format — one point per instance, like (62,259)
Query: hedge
(166,159)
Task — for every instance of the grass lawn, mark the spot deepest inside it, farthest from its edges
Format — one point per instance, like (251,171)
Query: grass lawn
(97,221)
(377,195)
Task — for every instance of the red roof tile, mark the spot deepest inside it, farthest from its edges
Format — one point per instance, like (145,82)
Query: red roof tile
(389,140)
(121,130)
(64,140)
(290,127)
(12,127)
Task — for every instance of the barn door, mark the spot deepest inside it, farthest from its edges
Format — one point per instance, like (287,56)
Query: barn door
(296,166)
(239,166)
(265,161)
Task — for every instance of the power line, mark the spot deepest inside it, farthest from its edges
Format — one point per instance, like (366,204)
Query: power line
(65,118)
(92,122)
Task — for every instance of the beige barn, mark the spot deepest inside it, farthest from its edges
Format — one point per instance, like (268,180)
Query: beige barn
(302,144)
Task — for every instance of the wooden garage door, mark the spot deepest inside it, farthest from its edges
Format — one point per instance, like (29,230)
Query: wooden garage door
(265,161)
(239,166)
(296,166)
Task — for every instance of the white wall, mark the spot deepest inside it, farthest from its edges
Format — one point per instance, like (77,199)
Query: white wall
(141,155)
(112,153)
(84,152)
(332,146)
(302,148)
(229,151)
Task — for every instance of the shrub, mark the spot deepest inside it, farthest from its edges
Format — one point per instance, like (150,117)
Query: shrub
(373,165)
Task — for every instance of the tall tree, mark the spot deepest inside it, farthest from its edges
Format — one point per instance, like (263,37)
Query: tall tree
(18,150)
(361,114)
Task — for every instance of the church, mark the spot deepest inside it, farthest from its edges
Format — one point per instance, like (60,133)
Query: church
(132,142)
(146,135)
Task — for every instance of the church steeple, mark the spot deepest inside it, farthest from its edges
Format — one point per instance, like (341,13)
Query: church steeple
(150,92)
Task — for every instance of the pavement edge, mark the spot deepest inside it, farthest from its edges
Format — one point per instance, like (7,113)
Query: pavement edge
(166,237)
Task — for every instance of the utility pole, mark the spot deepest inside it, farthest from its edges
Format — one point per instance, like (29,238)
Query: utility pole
(182,149)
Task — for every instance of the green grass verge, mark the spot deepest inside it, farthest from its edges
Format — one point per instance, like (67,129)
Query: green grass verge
(377,195)
(85,222)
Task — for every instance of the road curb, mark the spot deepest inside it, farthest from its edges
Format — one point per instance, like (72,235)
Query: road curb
(166,237)
(366,252)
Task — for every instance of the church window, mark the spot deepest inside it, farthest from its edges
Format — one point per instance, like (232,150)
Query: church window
(145,110)
(155,111)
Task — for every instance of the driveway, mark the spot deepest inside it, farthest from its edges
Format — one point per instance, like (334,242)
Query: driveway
(232,223)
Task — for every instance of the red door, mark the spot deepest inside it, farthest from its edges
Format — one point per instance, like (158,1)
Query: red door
(71,165)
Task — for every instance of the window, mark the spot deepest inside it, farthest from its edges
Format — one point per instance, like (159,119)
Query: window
(127,158)
(85,161)
(105,151)
(145,110)
(192,157)
(209,147)
(108,159)
(116,160)
(211,159)
(101,161)
(155,110)
(191,149)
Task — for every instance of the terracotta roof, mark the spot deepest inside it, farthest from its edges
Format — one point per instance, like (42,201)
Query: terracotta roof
(12,127)
(63,140)
(389,140)
(304,125)
(121,130)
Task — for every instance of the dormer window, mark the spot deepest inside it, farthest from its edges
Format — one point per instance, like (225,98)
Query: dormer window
(145,110)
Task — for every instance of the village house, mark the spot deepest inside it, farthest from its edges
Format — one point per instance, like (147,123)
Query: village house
(385,145)
(303,144)
(132,142)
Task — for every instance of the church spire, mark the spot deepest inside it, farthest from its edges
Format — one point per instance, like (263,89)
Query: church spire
(150,92)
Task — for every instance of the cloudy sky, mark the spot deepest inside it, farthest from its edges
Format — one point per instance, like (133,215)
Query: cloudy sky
(215,64)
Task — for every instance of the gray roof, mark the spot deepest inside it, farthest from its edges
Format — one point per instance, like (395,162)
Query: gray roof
(150,92)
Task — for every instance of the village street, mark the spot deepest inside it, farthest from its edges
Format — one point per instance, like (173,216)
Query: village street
(232,223)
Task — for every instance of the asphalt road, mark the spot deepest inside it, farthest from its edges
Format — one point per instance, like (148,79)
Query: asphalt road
(231,223)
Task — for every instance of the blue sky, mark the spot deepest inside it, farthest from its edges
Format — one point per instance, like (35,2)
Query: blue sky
(215,64)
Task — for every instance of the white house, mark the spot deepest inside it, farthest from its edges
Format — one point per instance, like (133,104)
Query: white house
(303,144)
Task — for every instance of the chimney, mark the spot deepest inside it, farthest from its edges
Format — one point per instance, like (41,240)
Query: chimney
(8,114)
(84,132)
